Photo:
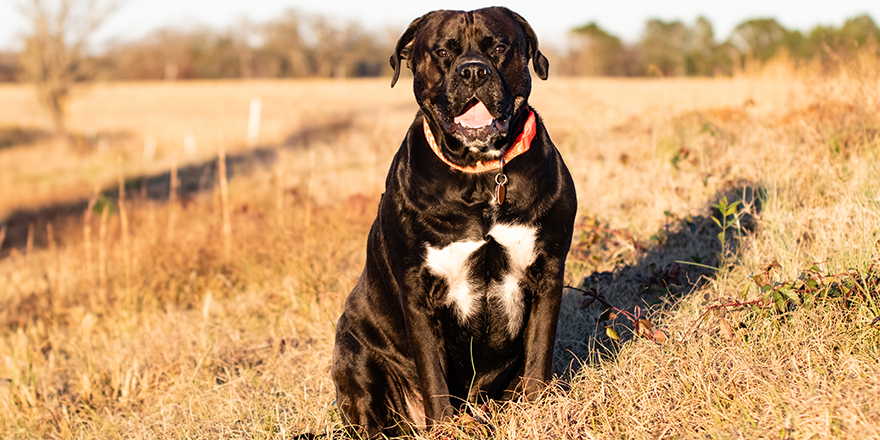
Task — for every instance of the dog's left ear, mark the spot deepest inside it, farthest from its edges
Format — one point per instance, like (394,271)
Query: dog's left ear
(539,61)
(404,46)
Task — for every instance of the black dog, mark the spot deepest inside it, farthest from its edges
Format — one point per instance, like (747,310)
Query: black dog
(460,295)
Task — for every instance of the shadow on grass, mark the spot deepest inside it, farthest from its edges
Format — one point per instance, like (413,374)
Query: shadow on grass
(656,282)
(193,179)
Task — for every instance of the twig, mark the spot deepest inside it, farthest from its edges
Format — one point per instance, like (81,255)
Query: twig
(224,201)
(172,198)
(597,296)
(102,252)
(760,302)
(123,221)
(87,233)
(29,247)
(642,326)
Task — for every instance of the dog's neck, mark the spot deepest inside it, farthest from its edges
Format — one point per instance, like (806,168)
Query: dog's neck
(520,146)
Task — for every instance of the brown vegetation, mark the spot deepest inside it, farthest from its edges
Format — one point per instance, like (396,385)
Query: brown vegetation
(301,45)
(186,310)
(54,55)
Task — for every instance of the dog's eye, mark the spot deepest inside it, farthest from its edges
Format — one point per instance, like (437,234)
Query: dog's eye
(500,49)
(442,53)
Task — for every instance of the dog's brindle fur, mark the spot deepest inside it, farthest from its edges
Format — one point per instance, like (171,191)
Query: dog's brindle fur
(459,298)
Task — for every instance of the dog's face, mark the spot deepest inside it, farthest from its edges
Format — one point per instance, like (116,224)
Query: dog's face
(471,75)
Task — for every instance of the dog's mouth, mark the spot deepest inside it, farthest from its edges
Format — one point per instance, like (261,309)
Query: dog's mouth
(476,127)
(475,115)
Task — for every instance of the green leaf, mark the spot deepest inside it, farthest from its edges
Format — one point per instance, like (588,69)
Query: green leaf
(717,222)
(611,333)
(103,203)
(732,208)
(791,295)
(778,300)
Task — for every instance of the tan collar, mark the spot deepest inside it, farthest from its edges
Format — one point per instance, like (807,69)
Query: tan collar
(522,144)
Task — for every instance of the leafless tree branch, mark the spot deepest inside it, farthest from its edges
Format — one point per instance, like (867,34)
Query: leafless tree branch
(56,46)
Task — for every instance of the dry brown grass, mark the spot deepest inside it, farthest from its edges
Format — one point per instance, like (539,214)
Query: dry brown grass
(190,325)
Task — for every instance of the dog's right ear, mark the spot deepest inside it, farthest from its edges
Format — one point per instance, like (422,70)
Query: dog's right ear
(404,46)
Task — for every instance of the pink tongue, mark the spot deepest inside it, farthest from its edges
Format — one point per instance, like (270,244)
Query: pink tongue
(476,117)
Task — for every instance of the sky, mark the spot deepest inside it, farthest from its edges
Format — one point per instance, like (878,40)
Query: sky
(551,19)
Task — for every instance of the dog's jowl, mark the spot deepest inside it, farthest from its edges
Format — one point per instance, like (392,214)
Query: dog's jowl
(460,294)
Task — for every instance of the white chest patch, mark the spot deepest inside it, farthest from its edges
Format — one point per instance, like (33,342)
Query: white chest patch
(451,263)
(519,242)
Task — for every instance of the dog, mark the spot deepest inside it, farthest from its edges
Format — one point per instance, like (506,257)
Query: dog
(459,297)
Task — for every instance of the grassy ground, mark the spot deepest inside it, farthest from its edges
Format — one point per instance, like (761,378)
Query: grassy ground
(210,313)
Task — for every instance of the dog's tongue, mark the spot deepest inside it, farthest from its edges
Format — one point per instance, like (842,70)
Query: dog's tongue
(475,117)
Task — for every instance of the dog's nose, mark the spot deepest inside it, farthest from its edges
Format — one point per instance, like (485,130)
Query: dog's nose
(474,71)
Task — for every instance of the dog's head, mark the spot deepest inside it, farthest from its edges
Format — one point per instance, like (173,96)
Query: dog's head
(471,76)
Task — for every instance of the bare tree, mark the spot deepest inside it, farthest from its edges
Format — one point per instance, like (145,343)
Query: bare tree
(55,51)
(284,40)
(163,54)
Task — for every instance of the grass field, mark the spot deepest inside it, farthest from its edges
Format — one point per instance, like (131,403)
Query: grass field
(724,274)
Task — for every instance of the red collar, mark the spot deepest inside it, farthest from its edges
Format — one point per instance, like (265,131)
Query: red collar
(522,144)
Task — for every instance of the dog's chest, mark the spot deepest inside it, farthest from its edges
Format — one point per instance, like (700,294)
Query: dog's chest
(487,273)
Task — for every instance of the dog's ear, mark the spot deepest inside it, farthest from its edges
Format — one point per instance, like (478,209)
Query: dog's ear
(403,50)
(539,61)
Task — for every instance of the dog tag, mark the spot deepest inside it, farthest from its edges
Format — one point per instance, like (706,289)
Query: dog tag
(500,192)
(500,188)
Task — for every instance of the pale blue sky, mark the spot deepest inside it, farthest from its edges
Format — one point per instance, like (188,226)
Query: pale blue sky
(551,19)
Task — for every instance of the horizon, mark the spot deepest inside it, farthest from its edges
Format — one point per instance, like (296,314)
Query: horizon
(136,19)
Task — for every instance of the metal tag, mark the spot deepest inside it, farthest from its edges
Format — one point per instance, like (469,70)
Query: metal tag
(500,188)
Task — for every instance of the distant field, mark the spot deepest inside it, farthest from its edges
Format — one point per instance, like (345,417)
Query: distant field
(365,118)
(209,312)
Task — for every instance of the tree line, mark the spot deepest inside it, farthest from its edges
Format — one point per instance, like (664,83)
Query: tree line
(672,48)
(295,45)
(298,45)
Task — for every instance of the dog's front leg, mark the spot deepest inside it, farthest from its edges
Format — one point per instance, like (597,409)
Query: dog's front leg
(429,354)
(540,337)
